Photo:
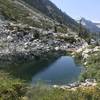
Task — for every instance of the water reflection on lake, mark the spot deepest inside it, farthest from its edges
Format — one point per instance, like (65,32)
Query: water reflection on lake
(63,70)
(60,70)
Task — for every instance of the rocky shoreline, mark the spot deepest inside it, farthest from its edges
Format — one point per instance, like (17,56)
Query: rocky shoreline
(76,85)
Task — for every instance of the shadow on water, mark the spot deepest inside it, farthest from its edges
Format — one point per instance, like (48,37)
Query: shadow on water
(26,70)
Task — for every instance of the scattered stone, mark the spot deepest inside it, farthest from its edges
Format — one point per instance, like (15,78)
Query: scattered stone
(75,85)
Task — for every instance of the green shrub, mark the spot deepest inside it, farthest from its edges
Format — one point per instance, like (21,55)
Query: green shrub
(11,89)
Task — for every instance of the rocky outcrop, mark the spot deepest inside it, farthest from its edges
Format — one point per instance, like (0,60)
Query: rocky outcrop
(76,85)
(20,41)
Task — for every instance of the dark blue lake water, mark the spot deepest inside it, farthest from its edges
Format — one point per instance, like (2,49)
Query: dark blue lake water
(62,71)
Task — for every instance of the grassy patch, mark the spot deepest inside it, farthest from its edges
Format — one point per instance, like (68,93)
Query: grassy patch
(93,69)
(11,89)
(40,93)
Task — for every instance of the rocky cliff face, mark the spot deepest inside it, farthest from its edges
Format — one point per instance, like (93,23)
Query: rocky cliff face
(26,42)
(17,39)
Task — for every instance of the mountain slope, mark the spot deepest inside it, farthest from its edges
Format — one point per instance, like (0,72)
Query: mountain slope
(50,10)
(41,14)
(21,12)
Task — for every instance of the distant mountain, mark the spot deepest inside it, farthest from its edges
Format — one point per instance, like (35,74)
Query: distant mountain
(98,25)
(49,9)
(91,26)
